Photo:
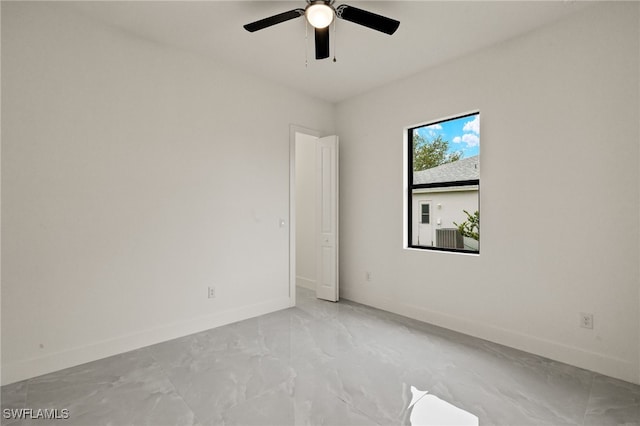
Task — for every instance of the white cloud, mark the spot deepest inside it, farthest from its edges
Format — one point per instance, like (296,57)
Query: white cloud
(468,138)
(434,127)
(473,125)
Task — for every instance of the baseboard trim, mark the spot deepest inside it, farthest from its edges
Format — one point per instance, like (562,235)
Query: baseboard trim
(26,369)
(593,361)
(306,283)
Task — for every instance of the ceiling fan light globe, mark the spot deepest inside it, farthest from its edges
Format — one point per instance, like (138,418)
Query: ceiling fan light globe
(319,15)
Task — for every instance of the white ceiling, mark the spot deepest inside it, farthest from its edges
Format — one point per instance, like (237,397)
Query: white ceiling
(430,33)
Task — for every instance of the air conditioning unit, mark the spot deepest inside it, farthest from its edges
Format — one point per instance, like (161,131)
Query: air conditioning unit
(449,238)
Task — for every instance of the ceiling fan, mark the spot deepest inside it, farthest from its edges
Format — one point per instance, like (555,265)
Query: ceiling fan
(320,14)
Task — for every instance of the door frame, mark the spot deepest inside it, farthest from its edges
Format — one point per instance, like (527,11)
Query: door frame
(293,129)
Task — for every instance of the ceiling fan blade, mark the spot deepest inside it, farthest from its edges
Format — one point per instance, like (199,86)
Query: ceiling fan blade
(322,43)
(273,20)
(367,19)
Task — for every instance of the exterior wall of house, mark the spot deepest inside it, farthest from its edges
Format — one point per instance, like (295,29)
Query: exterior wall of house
(446,207)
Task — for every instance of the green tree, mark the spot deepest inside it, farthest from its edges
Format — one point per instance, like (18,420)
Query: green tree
(431,153)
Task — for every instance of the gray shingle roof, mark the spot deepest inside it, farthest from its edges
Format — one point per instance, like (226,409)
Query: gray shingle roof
(465,169)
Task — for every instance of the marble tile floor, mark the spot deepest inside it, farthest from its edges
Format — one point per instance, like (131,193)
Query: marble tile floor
(324,363)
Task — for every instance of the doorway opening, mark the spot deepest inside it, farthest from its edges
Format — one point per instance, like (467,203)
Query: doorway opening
(313,204)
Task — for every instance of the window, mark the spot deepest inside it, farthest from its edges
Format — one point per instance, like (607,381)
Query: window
(443,166)
(425,213)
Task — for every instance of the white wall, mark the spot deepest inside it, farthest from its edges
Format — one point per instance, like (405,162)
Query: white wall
(306,210)
(134,176)
(559,193)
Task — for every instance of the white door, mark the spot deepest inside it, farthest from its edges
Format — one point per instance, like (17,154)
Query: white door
(327,218)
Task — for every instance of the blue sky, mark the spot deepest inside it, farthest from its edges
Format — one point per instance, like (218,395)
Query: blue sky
(463,134)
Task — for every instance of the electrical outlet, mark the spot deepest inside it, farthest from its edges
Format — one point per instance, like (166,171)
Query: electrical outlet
(367,276)
(212,293)
(586,320)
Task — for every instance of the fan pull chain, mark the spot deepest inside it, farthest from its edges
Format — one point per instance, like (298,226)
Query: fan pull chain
(335,41)
(306,44)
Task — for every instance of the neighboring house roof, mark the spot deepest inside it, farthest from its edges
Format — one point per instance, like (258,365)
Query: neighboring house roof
(465,169)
